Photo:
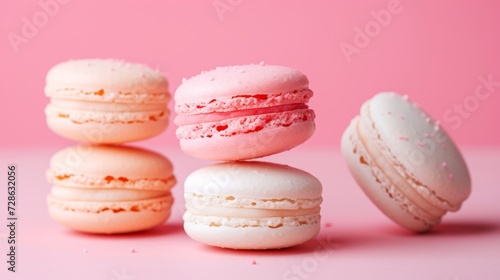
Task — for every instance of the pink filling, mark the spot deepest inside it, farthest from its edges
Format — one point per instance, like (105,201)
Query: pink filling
(242,102)
(181,120)
(244,125)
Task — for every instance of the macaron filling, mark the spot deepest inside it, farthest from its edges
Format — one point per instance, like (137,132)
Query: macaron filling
(83,111)
(97,194)
(243,212)
(64,179)
(239,222)
(220,116)
(242,102)
(160,204)
(245,124)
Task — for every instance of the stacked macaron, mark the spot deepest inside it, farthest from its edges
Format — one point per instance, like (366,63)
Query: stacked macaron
(100,187)
(239,113)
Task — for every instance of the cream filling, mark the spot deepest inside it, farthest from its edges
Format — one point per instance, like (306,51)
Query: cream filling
(117,115)
(398,181)
(204,200)
(229,212)
(271,222)
(64,179)
(98,194)
(105,106)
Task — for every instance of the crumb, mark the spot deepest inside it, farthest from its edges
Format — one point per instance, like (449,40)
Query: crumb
(402,137)
(328,224)
(254,262)
(85,251)
(443,164)
(132,250)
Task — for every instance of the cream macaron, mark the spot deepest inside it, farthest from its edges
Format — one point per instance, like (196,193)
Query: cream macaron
(405,162)
(110,189)
(106,101)
(252,205)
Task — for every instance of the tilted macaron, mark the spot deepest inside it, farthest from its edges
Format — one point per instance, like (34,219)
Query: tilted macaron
(106,101)
(252,205)
(405,162)
(243,112)
(110,189)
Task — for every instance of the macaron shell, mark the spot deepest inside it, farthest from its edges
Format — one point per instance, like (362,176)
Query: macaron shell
(109,221)
(103,132)
(93,75)
(253,179)
(109,160)
(240,80)
(248,146)
(251,238)
(418,146)
(388,199)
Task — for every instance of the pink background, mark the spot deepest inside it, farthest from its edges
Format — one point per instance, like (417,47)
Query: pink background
(434,51)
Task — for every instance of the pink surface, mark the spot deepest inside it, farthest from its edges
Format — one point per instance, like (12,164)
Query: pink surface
(444,54)
(356,240)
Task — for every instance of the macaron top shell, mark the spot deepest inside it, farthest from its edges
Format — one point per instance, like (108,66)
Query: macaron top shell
(128,166)
(106,80)
(253,179)
(244,79)
(261,82)
(419,148)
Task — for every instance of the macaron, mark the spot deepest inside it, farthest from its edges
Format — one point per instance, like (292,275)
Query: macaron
(243,112)
(252,205)
(106,101)
(405,162)
(110,189)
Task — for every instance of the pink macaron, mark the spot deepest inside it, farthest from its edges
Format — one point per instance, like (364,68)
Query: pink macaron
(252,205)
(405,162)
(243,112)
(110,189)
(106,101)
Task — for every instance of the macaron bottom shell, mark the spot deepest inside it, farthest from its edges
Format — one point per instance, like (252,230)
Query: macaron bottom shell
(110,219)
(251,238)
(377,187)
(106,132)
(251,145)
